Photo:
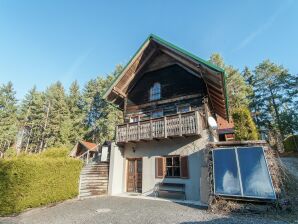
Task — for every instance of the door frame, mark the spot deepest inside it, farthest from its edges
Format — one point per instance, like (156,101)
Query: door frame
(135,173)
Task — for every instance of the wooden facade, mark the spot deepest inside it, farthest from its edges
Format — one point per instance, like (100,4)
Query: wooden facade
(186,84)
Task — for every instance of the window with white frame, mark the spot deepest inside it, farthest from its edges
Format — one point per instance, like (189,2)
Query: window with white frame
(155,92)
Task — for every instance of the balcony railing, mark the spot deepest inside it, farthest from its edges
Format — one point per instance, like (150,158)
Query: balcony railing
(184,124)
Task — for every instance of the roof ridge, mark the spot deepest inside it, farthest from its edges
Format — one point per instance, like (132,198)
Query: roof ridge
(207,63)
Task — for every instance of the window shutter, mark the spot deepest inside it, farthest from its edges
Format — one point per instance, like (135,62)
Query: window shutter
(184,166)
(159,167)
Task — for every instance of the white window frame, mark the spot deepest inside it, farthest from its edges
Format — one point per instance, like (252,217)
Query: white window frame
(155,92)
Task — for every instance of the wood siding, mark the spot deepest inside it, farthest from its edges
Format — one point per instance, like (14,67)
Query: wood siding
(178,87)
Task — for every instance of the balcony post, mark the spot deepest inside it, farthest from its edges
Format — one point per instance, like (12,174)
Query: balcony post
(165,126)
(126,140)
(139,131)
(151,129)
(197,119)
(180,125)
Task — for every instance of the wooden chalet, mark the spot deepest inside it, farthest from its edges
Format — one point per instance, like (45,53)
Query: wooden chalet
(167,95)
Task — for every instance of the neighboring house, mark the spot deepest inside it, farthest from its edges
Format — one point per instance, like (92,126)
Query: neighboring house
(82,147)
(225,129)
(167,95)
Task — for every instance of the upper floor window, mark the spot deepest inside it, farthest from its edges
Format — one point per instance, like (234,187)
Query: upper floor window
(155,92)
(156,114)
(134,119)
(183,108)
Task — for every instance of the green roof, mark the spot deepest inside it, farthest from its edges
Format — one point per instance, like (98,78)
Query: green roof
(192,56)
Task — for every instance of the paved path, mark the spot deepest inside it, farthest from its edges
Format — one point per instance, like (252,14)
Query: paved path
(125,210)
(291,163)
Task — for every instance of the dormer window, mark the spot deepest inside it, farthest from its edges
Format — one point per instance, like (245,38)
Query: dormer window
(155,92)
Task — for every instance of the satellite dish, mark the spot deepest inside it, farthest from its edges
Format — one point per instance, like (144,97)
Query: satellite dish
(212,123)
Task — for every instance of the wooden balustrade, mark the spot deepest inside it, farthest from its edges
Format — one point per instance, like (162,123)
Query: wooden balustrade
(184,124)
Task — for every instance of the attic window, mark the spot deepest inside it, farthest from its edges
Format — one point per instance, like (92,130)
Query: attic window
(155,92)
(242,172)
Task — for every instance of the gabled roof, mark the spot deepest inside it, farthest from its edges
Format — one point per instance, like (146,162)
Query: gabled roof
(89,145)
(213,75)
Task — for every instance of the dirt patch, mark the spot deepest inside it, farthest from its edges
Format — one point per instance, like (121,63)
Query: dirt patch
(291,164)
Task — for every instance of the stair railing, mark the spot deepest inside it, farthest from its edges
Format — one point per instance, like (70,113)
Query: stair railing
(85,157)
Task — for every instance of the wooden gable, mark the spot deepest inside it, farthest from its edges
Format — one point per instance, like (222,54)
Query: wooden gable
(156,54)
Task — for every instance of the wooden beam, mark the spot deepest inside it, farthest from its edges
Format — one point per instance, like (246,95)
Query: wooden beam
(139,67)
(213,83)
(136,107)
(119,92)
(221,96)
(190,60)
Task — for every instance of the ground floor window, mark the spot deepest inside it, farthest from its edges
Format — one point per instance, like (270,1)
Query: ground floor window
(173,166)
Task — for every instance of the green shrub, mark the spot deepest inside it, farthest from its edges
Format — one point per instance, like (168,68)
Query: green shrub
(245,128)
(32,181)
(289,143)
(10,152)
(55,152)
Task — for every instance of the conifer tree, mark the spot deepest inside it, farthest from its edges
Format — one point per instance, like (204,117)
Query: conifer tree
(32,118)
(57,124)
(75,106)
(8,115)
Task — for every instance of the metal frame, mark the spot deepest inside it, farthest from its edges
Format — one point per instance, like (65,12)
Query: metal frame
(239,174)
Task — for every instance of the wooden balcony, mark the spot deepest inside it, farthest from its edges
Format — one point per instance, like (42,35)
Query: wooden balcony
(184,124)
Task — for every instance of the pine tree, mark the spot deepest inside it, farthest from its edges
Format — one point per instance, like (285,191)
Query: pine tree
(75,106)
(57,124)
(274,87)
(8,116)
(32,113)
(101,117)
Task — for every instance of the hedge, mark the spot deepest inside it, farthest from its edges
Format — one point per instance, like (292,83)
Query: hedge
(32,181)
(289,143)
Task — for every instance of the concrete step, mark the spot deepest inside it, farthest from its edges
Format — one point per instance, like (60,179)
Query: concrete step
(93,182)
(93,175)
(93,178)
(86,194)
(96,165)
(93,185)
(93,189)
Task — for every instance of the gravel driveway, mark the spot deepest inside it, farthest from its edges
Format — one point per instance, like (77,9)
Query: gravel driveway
(291,163)
(126,210)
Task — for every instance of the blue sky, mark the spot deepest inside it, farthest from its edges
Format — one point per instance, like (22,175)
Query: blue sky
(45,41)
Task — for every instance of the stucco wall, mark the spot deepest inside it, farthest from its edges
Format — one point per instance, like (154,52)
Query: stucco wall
(191,146)
(116,170)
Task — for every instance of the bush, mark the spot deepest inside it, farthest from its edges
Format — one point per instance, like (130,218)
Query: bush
(289,143)
(245,128)
(10,152)
(32,181)
(55,152)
